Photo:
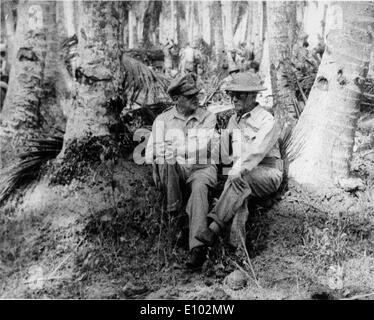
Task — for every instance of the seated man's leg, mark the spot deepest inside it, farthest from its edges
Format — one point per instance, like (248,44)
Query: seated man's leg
(263,180)
(259,182)
(237,228)
(172,175)
(198,206)
(228,203)
(197,210)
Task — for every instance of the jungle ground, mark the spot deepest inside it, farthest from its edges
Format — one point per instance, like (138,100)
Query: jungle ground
(103,235)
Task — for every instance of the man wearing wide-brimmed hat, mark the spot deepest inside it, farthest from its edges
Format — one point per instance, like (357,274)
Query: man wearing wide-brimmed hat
(185,126)
(257,165)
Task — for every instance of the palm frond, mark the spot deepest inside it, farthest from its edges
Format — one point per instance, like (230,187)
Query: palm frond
(29,165)
(142,84)
(284,141)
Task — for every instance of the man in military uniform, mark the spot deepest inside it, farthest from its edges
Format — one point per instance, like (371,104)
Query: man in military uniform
(257,165)
(181,127)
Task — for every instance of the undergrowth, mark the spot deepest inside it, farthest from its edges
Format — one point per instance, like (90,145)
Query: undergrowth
(82,157)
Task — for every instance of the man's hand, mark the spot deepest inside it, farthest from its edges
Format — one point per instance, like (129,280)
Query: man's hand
(237,182)
(156,176)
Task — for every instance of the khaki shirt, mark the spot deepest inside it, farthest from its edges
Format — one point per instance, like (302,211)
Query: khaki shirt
(174,135)
(254,138)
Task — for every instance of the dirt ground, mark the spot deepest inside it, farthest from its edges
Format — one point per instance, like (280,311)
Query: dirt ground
(107,237)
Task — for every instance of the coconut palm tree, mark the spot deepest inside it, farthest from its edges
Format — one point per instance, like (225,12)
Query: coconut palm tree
(20,117)
(218,30)
(322,142)
(281,24)
(97,91)
(99,80)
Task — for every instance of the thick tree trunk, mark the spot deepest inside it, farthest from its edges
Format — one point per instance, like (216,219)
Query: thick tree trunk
(97,101)
(20,118)
(322,142)
(281,32)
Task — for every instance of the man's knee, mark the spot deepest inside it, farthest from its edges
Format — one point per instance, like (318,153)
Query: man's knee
(199,186)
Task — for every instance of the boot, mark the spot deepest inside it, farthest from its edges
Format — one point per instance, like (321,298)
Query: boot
(196,257)
(207,236)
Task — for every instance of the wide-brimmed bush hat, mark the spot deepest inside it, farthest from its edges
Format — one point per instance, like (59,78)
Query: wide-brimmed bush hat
(245,82)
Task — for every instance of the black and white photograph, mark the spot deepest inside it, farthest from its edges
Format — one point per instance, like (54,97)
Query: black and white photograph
(168,150)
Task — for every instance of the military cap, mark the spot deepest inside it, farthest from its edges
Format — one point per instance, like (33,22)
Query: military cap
(185,85)
(233,67)
(245,82)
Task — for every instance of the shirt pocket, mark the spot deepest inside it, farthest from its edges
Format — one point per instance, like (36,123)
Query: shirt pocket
(249,134)
(252,125)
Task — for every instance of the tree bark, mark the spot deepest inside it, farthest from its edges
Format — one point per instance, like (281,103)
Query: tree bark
(69,18)
(322,142)
(227,23)
(189,19)
(97,98)
(218,31)
(151,20)
(51,59)
(175,21)
(10,31)
(133,32)
(255,35)
(20,118)
(281,32)
(206,23)
(250,21)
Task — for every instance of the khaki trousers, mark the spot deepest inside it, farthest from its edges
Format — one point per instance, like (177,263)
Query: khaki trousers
(262,181)
(198,178)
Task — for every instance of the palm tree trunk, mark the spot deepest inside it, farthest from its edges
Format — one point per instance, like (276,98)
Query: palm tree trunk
(97,100)
(218,30)
(323,22)
(206,23)
(322,142)
(133,32)
(227,23)
(51,59)
(10,31)
(20,118)
(255,34)
(189,19)
(175,23)
(151,19)
(68,9)
(281,28)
